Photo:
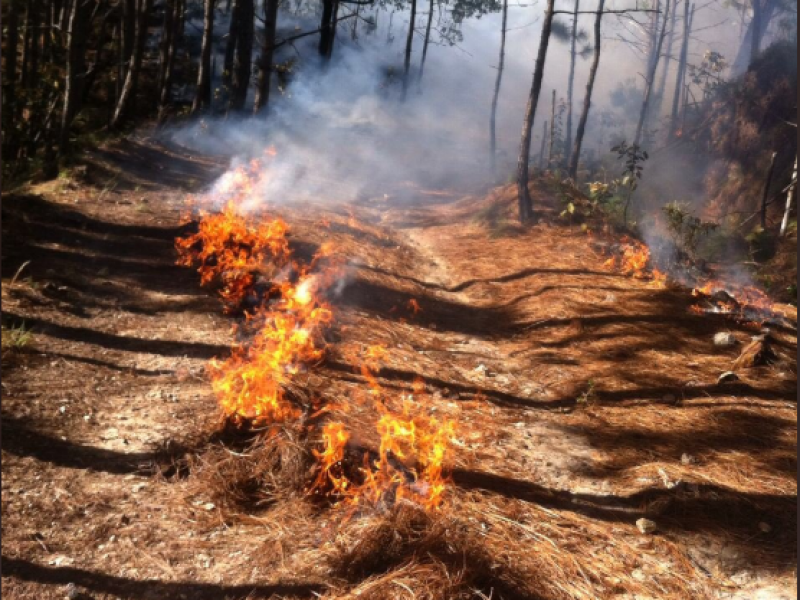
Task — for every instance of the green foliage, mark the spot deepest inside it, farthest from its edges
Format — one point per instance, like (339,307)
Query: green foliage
(15,338)
(763,244)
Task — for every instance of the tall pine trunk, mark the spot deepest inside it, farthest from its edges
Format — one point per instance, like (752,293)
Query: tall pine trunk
(524,196)
(551,146)
(267,50)
(202,97)
(230,44)
(680,75)
(571,82)
(167,34)
(587,99)
(244,55)
(662,83)
(132,77)
(77,29)
(165,89)
(11,43)
(497,83)
(409,44)
(651,75)
(326,28)
(428,37)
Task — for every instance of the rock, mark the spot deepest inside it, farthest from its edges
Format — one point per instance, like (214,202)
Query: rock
(687,459)
(646,526)
(724,339)
(727,377)
(764,527)
(72,592)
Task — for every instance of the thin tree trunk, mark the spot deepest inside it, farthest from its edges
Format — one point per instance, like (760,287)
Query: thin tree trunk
(587,99)
(551,146)
(428,37)
(167,33)
(544,145)
(688,16)
(244,55)
(409,43)
(230,44)
(265,70)
(9,110)
(128,32)
(27,30)
(765,194)
(132,76)
(524,196)
(336,6)
(497,83)
(648,90)
(571,83)
(120,75)
(77,28)
(202,98)
(665,68)
(789,200)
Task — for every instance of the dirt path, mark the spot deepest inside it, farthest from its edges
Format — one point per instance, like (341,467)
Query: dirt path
(585,401)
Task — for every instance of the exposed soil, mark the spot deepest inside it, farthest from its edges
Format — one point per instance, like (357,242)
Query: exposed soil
(585,400)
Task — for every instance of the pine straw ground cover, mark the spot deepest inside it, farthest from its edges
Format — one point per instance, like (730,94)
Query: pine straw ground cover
(584,400)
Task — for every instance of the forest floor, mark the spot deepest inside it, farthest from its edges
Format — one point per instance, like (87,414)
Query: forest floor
(584,401)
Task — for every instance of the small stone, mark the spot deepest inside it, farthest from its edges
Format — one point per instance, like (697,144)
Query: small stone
(764,527)
(724,339)
(138,487)
(646,526)
(687,459)
(727,377)
(72,592)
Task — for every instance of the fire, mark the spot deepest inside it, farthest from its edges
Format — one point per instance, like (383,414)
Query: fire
(285,320)
(635,261)
(742,301)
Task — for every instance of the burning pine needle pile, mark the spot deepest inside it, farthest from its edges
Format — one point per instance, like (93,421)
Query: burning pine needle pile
(286,314)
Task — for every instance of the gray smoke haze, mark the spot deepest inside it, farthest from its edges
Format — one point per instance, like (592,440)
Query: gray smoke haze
(342,132)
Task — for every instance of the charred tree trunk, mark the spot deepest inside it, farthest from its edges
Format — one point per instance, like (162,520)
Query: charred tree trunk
(244,54)
(497,83)
(76,66)
(765,194)
(202,97)
(132,76)
(651,75)
(427,40)
(326,28)
(265,66)
(167,33)
(230,44)
(336,5)
(544,145)
(551,146)
(688,16)
(524,196)
(571,83)
(742,60)
(587,99)
(409,44)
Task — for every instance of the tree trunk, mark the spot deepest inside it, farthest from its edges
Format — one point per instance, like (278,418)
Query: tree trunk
(27,29)
(571,83)
(244,55)
(524,196)
(9,110)
(587,99)
(765,195)
(662,84)
(132,76)
(409,43)
(544,145)
(165,90)
(789,200)
(77,28)
(128,32)
(428,37)
(326,28)
(648,90)
(551,146)
(167,33)
(498,81)
(336,5)
(230,44)
(742,60)
(688,17)
(265,70)
(202,98)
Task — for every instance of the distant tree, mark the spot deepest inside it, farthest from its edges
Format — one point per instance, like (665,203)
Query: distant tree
(132,77)
(77,29)
(244,54)
(651,74)
(409,41)
(680,77)
(267,50)
(426,42)
(571,80)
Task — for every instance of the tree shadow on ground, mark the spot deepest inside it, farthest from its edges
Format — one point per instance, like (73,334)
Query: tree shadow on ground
(123,587)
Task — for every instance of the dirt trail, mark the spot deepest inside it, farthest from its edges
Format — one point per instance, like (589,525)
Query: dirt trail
(585,400)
